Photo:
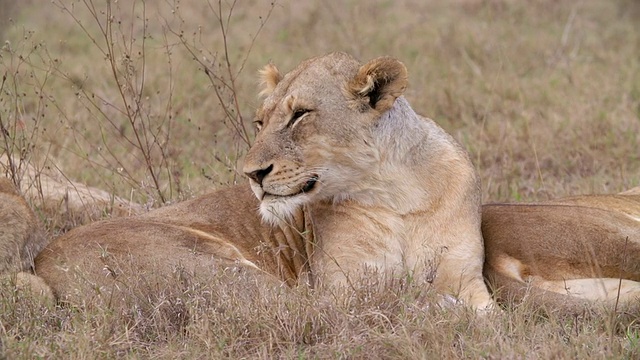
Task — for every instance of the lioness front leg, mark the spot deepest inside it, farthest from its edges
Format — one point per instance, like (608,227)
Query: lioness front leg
(349,240)
(459,273)
(352,238)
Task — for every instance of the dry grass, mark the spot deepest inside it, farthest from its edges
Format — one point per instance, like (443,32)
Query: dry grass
(186,318)
(544,94)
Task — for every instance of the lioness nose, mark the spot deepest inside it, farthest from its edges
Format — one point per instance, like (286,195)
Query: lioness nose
(259,175)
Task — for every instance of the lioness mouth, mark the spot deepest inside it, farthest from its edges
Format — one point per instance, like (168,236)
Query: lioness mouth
(308,186)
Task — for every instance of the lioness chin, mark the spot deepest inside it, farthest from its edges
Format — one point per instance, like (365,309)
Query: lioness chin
(565,252)
(345,176)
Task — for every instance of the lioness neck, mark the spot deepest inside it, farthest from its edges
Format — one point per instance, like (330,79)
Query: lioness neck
(409,160)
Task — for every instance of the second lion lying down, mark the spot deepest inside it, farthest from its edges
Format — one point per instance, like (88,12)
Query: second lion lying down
(565,251)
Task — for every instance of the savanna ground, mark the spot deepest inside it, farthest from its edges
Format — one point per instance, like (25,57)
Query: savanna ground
(154,101)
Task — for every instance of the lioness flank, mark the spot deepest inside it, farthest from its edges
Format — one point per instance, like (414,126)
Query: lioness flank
(565,252)
(344,176)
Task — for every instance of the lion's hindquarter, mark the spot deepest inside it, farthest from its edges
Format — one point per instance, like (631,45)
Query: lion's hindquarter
(587,247)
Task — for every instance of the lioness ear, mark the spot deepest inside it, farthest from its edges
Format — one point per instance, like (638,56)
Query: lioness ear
(6,186)
(380,81)
(269,78)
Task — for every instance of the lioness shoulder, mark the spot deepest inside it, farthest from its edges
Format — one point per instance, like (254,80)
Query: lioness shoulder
(565,251)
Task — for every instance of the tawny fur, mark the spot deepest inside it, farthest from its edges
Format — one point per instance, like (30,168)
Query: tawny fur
(21,234)
(345,176)
(215,232)
(565,250)
(357,179)
(391,189)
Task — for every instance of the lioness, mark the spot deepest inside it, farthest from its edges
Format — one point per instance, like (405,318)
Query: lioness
(345,176)
(586,247)
(21,235)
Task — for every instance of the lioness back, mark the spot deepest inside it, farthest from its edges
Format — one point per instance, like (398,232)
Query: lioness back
(21,234)
(201,236)
(584,247)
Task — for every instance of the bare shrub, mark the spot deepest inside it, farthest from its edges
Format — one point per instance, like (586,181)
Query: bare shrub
(124,124)
(7,9)
(125,49)
(20,113)
(222,68)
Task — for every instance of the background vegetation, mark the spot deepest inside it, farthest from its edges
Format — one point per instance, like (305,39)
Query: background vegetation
(154,101)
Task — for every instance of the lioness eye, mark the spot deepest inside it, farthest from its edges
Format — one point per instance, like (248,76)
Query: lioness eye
(297,115)
(258,124)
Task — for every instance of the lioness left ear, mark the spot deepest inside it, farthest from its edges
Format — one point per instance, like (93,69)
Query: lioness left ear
(269,78)
(381,81)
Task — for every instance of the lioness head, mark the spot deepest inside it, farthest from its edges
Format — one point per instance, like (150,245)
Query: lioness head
(315,130)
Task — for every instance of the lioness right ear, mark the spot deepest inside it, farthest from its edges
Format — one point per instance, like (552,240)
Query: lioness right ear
(379,82)
(269,78)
